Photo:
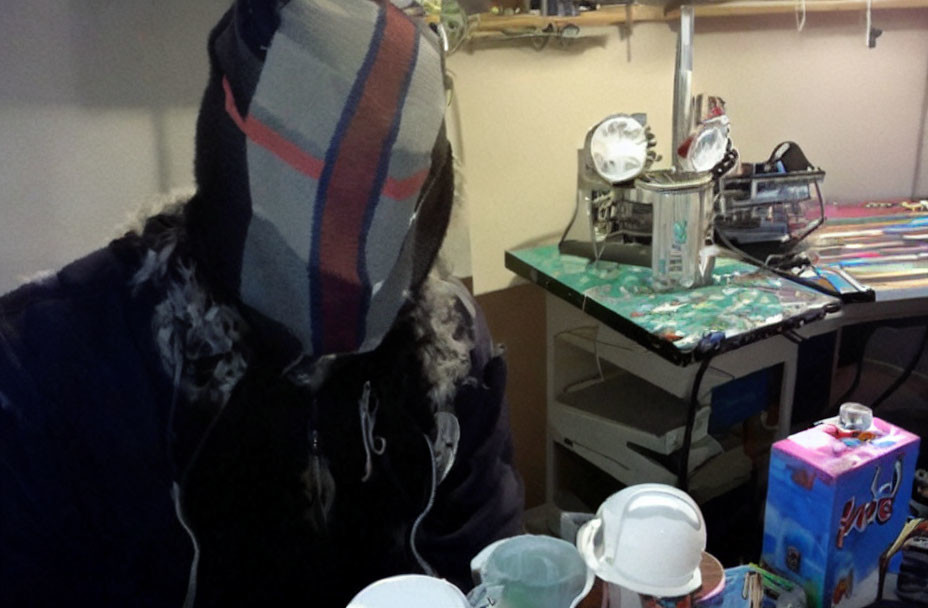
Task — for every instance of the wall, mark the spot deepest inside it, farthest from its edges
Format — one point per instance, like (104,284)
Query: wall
(97,106)
(513,316)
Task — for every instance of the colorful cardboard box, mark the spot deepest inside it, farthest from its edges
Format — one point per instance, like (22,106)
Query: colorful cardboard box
(837,499)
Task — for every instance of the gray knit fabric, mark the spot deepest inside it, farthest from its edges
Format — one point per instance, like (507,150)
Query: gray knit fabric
(346,110)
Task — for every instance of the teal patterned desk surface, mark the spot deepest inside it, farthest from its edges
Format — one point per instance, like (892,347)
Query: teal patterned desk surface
(744,304)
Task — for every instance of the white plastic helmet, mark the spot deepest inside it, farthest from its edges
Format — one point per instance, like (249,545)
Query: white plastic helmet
(410,591)
(648,538)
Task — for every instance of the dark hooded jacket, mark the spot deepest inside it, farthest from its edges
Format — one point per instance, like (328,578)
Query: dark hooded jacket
(105,459)
(161,445)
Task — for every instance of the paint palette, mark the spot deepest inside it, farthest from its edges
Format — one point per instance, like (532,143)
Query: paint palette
(882,246)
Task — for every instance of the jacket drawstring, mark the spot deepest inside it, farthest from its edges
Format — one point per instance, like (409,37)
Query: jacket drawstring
(372,443)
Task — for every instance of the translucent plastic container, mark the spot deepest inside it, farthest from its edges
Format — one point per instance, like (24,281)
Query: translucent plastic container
(530,571)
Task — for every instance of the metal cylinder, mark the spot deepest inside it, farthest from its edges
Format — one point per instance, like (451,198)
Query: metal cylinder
(683,83)
(681,208)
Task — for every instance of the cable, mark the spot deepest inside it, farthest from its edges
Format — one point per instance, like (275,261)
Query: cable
(905,373)
(922,376)
(426,567)
(850,391)
(589,381)
(191,597)
(599,363)
(683,475)
(740,255)
(860,368)
(575,331)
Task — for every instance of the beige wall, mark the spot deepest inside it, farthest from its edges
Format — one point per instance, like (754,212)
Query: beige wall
(98,100)
(859,113)
(921,179)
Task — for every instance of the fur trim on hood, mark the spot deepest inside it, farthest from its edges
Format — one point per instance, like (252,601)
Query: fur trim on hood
(445,340)
(200,339)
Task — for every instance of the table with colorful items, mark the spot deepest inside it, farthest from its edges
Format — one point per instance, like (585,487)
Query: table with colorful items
(743,304)
(683,343)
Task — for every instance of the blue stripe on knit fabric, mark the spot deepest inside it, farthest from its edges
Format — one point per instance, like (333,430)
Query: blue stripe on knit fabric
(383,168)
(351,106)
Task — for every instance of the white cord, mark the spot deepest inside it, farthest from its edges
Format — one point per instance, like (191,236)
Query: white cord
(575,331)
(869,23)
(426,567)
(372,443)
(191,596)
(800,15)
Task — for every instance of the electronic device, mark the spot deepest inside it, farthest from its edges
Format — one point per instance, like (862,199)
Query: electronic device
(767,209)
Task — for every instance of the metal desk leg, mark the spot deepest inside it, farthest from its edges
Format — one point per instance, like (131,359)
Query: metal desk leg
(551,477)
(787,392)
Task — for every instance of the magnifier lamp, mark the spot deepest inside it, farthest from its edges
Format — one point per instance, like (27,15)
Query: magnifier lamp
(617,148)
(707,147)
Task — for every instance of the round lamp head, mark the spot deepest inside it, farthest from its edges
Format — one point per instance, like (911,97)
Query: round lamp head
(709,144)
(617,148)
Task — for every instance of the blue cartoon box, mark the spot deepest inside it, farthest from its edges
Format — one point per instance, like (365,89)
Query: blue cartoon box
(837,499)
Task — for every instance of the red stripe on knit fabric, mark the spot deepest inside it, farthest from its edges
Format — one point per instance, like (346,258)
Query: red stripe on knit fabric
(401,189)
(353,181)
(271,140)
(305,163)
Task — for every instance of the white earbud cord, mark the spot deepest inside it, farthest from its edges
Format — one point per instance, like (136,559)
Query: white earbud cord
(426,567)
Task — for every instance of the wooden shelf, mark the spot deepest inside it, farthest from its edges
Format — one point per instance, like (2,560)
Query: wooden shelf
(605,16)
(772,7)
(488,25)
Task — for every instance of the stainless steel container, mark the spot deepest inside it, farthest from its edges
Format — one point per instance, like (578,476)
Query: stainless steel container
(682,211)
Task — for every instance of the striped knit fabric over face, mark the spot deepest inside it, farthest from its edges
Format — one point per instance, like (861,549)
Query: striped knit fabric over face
(339,132)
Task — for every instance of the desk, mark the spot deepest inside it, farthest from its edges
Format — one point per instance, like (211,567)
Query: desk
(883,246)
(607,312)
(742,305)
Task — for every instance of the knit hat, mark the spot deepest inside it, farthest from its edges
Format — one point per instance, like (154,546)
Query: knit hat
(323,171)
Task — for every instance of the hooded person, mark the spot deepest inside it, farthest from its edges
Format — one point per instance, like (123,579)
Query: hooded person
(265,395)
